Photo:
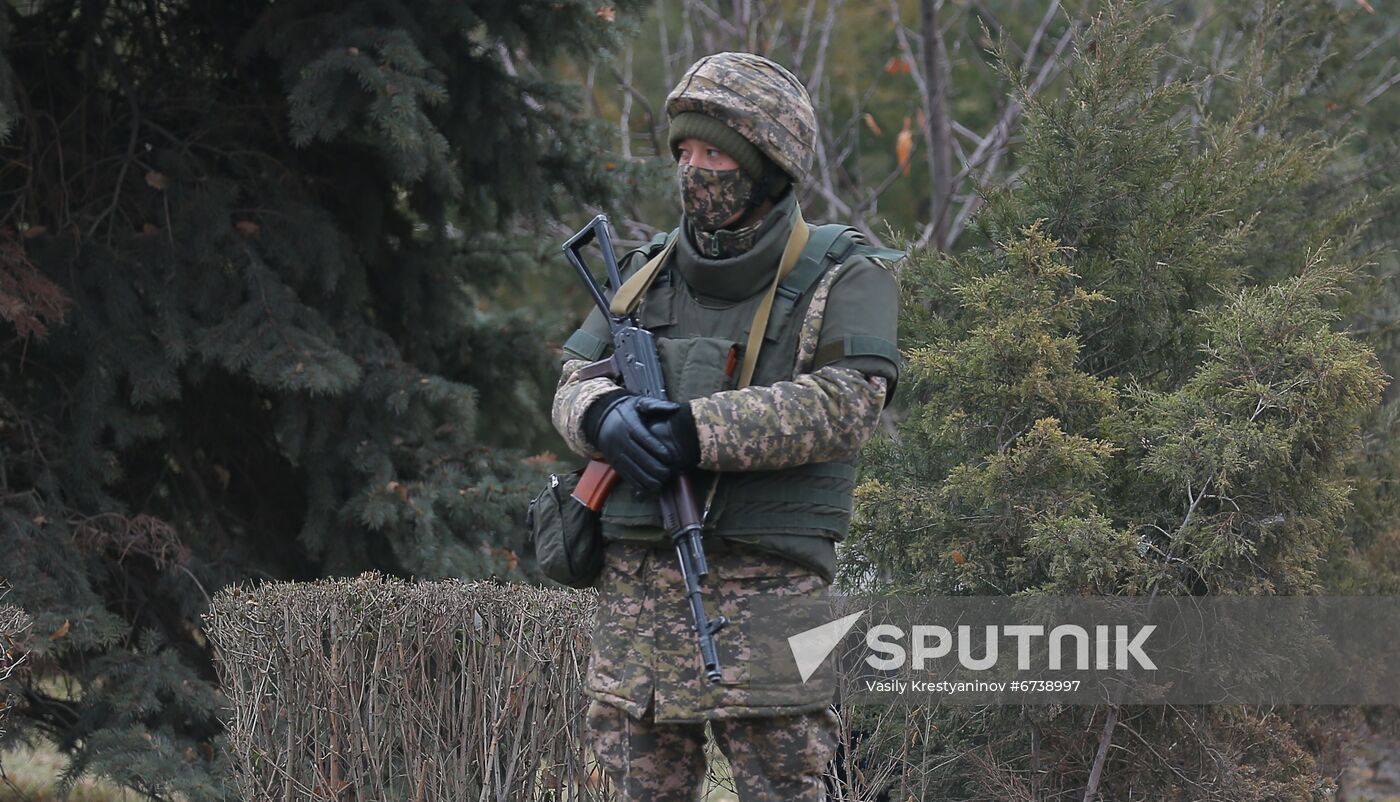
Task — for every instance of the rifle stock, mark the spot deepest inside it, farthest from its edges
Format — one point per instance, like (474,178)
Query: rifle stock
(595,484)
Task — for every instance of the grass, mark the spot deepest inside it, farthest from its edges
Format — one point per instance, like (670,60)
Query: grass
(31,773)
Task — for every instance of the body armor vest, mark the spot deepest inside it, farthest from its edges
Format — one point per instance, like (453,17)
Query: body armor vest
(798,512)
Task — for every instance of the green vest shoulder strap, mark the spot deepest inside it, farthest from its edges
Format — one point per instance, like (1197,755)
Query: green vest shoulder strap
(591,347)
(653,248)
(828,245)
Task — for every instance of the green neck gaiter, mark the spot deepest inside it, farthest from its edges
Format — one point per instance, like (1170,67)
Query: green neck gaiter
(727,243)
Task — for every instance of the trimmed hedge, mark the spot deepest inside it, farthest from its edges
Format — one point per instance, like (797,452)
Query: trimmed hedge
(376,688)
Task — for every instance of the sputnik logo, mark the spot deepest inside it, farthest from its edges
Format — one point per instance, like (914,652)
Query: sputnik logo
(811,647)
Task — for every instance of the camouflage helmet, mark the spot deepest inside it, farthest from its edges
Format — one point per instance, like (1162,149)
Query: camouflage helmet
(758,98)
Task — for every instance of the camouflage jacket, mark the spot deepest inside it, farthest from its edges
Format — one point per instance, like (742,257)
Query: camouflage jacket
(812,404)
(819,408)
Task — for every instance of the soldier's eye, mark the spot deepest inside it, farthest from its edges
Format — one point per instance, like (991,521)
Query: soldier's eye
(712,153)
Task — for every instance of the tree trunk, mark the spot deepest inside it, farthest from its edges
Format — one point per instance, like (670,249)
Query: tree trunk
(937,131)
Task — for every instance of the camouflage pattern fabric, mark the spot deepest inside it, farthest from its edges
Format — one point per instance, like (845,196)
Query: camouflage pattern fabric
(825,415)
(821,416)
(728,242)
(571,400)
(712,197)
(778,758)
(644,657)
(809,335)
(759,99)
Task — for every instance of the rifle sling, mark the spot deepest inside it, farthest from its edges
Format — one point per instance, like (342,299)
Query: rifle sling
(629,295)
(797,240)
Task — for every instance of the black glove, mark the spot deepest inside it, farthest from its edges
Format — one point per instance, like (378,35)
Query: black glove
(621,426)
(677,430)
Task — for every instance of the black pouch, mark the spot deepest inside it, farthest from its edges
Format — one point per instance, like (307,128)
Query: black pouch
(565,534)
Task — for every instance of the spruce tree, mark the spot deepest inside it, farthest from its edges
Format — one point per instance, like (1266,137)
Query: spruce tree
(252,256)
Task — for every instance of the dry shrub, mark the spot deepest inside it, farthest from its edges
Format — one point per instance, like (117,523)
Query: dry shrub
(376,688)
(13,624)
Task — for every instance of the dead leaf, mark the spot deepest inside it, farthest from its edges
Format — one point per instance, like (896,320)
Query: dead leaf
(511,558)
(34,231)
(157,180)
(39,520)
(354,51)
(904,147)
(606,13)
(221,473)
(400,489)
(61,631)
(898,66)
(958,557)
(247,228)
(1369,8)
(147,229)
(872,125)
(542,458)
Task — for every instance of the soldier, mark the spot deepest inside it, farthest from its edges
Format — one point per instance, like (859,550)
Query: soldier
(778,343)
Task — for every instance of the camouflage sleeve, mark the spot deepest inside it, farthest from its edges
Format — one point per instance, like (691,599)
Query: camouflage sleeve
(852,322)
(817,417)
(571,400)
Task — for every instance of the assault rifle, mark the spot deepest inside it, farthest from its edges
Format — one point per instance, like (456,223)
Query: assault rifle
(634,364)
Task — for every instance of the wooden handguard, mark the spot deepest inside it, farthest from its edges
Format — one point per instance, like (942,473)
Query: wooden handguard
(595,485)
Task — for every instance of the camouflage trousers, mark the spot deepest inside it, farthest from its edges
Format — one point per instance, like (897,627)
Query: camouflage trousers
(644,658)
(773,758)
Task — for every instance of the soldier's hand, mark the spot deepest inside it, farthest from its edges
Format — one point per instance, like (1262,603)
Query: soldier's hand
(621,428)
(675,426)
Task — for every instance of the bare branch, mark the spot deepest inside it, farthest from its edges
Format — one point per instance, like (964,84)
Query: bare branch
(715,17)
(994,145)
(667,68)
(1034,46)
(653,128)
(624,120)
(936,127)
(818,75)
(1381,90)
(1096,773)
(906,51)
(800,53)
